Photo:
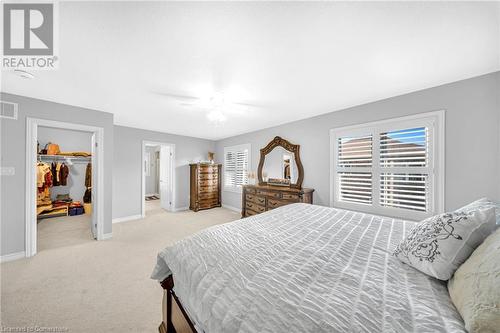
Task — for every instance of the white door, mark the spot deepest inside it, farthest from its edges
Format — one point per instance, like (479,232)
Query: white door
(93,220)
(165,181)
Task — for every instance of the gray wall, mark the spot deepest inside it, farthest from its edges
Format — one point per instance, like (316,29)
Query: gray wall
(472,149)
(152,180)
(128,162)
(472,138)
(69,141)
(13,154)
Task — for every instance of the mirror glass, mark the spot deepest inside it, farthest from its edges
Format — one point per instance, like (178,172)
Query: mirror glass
(280,164)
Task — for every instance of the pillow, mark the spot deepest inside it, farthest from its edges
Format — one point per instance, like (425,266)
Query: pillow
(482,203)
(438,245)
(474,289)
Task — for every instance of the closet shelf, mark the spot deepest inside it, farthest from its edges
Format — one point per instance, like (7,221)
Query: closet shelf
(64,157)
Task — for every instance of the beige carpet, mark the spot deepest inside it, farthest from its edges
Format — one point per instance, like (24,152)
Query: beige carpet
(63,231)
(90,286)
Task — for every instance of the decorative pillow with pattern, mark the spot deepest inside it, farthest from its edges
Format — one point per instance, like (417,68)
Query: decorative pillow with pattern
(437,246)
(482,203)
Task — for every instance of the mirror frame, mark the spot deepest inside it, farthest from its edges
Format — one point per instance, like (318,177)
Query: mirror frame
(295,149)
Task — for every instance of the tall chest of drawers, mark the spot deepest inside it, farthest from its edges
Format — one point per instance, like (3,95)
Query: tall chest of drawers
(205,184)
(257,199)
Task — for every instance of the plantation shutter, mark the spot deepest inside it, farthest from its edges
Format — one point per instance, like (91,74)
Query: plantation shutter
(236,160)
(406,152)
(389,167)
(354,169)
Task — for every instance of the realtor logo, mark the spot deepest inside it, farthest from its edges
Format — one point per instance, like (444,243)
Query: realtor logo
(28,36)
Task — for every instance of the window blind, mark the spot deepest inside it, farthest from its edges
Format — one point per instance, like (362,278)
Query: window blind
(355,152)
(236,160)
(404,148)
(387,167)
(355,187)
(405,191)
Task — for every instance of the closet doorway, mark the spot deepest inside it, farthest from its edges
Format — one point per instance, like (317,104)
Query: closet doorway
(64,184)
(158,174)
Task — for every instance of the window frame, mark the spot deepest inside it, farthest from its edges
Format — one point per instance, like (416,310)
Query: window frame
(435,122)
(236,148)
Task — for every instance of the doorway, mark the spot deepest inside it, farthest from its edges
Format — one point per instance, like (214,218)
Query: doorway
(158,174)
(33,158)
(64,205)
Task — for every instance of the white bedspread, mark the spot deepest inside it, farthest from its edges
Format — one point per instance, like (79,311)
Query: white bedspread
(305,268)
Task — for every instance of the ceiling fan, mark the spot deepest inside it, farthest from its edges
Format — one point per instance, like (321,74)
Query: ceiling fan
(217,105)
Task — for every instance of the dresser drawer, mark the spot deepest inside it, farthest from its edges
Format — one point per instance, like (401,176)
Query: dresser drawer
(271,194)
(249,212)
(209,168)
(250,190)
(271,203)
(207,176)
(208,182)
(256,199)
(208,195)
(209,188)
(255,207)
(290,196)
(208,203)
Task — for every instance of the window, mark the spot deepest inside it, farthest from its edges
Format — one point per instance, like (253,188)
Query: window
(236,166)
(393,168)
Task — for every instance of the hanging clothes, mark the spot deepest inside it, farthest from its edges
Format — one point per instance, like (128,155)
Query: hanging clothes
(87,197)
(63,174)
(88,175)
(42,169)
(55,176)
(44,182)
(58,173)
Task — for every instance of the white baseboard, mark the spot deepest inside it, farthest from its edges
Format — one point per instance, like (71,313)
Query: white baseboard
(107,236)
(127,218)
(232,208)
(180,209)
(12,256)
(150,194)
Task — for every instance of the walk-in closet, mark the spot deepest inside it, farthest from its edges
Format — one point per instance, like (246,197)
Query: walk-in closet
(64,183)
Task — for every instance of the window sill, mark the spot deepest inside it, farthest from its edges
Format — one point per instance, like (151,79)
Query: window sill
(388,212)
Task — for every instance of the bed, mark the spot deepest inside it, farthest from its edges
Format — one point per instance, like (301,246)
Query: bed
(302,268)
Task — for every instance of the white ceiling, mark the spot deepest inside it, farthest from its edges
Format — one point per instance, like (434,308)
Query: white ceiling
(293,60)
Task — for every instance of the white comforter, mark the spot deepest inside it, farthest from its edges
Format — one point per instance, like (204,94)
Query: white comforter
(305,268)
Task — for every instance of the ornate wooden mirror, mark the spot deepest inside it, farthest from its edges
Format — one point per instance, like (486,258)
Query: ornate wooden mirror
(280,160)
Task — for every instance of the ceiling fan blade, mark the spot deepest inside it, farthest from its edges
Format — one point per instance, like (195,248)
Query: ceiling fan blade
(194,103)
(247,105)
(177,96)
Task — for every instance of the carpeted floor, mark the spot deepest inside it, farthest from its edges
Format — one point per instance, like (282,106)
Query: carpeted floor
(89,286)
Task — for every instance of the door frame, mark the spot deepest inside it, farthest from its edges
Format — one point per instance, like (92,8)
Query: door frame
(97,160)
(143,172)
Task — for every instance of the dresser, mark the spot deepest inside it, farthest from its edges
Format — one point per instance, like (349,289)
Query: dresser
(205,184)
(260,198)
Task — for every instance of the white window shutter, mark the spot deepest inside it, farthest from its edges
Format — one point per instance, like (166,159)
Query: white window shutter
(390,167)
(236,167)
(355,187)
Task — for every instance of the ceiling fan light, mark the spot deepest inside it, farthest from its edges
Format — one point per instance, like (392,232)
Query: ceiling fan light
(216,116)
(217,99)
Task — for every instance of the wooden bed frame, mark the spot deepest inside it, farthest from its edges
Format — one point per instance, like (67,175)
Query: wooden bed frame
(167,325)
